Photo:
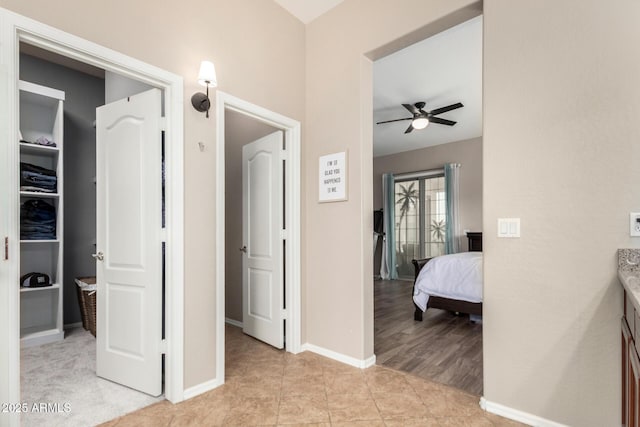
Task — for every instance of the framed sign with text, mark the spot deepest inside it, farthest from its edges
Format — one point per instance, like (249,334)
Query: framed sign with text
(333,178)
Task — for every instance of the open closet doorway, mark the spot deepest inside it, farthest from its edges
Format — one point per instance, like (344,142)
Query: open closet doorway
(64,172)
(427,178)
(35,114)
(258,224)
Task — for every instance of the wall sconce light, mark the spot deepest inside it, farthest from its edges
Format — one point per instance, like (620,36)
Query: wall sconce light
(206,77)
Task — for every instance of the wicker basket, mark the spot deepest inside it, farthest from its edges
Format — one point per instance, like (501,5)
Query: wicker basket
(87,290)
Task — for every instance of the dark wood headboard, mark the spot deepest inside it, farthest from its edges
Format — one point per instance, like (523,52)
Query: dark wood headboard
(475,241)
(417,266)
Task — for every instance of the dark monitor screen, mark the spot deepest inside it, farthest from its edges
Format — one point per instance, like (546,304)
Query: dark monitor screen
(377,221)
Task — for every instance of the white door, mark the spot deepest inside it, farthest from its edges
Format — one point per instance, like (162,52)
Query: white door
(262,222)
(129,251)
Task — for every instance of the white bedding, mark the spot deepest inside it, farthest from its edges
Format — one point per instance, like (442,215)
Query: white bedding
(455,276)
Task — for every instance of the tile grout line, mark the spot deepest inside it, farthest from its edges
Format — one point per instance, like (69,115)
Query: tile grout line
(374,400)
(326,394)
(280,394)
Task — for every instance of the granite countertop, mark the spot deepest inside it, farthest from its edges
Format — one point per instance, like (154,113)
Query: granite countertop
(629,274)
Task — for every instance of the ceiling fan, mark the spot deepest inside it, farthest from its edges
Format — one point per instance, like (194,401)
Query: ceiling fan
(421,118)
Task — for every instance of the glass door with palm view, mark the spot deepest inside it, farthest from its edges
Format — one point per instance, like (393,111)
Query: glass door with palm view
(420,206)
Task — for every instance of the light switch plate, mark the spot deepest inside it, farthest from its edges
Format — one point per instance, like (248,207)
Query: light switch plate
(634,224)
(509,227)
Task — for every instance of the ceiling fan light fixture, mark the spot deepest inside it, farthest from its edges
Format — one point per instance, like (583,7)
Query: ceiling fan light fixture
(420,119)
(420,123)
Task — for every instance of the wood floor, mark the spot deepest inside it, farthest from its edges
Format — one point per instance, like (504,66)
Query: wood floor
(444,348)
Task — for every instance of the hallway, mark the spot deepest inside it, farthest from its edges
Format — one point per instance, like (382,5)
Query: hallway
(270,387)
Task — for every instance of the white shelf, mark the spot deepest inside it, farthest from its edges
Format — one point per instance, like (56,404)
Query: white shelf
(41,115)
(27,148)
(45,91)
(42,288)
(39,194)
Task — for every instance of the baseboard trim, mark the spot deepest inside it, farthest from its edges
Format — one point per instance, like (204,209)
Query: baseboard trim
(358,363)
(73,325)
(201,388)
(369,362)
(233,322)
(516,415)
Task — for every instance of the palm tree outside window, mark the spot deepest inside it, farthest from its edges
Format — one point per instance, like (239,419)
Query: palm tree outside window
(420,211)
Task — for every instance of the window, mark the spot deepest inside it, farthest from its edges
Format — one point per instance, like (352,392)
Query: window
(420,212)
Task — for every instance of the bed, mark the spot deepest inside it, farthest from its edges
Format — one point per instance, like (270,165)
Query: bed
(465,270)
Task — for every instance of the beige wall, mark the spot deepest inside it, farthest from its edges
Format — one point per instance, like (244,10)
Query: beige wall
(239,130)
(258,49)
(468,153)
(561,101)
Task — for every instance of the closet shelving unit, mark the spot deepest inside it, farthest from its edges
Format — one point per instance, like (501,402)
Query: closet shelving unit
(41,114)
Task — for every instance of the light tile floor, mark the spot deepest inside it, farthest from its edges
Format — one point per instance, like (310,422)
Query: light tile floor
(265,386)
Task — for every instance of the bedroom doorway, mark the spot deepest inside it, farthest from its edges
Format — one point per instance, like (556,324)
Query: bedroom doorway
(409,186)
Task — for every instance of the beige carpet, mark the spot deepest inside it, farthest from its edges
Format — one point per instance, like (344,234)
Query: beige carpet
(64,373)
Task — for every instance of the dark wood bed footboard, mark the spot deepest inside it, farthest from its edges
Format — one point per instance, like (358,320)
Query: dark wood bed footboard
(457,306)
(417,266)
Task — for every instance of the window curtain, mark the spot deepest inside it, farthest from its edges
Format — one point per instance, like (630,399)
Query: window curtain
(388,270)
(452,189)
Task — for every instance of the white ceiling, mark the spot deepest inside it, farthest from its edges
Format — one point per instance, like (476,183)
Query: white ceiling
(441,70)
(308,10)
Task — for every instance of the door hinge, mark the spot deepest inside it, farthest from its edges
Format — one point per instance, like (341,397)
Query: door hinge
(284,155)
(6,248)
(163,235)
(284,313)
(163,347)
(163,124)
(284,235)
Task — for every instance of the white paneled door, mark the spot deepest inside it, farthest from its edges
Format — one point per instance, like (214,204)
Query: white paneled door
(129,247)
(262,219)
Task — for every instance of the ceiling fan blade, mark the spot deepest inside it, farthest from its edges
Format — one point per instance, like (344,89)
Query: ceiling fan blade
(412,108)
(396,120)
(445,109)
(442,121)
(409,129)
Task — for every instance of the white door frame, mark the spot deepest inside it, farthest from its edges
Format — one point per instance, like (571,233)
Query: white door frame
(291,129)
(13,29)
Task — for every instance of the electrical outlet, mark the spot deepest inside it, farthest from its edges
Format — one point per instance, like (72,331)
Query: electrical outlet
(634,224)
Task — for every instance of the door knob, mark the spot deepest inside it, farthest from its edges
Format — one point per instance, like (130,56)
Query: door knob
(243,249)
(99,256)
